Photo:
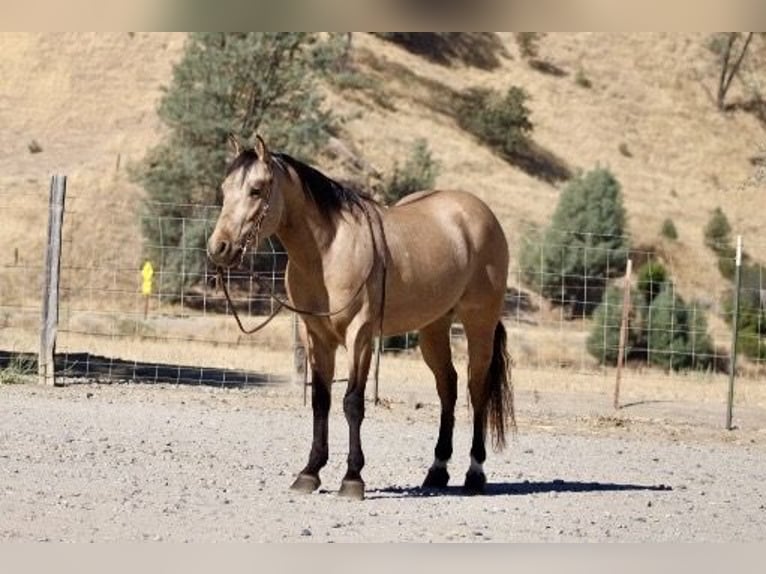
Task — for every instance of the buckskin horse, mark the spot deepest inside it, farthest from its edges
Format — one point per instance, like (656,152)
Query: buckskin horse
(358,270)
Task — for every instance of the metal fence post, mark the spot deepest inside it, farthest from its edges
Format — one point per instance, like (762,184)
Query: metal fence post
(50,305)
(734,336)
(623,332)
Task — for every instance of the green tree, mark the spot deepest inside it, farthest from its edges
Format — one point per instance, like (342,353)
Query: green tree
(529,44)
(584,246)
(604,339)
(677,336)
(225,83)
(718,232)
(652,278)
(668,230)
(718,238)
(751,330)
(418,173)
(500,121)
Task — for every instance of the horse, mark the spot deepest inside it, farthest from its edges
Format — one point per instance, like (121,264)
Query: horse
(356,270)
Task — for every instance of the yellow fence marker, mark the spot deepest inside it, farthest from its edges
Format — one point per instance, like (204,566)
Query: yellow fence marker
(147,273)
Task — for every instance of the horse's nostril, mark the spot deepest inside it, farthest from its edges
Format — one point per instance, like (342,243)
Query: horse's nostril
(223,248)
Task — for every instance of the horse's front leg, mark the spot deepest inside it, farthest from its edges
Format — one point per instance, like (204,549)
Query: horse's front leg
(359,344)
(322,361)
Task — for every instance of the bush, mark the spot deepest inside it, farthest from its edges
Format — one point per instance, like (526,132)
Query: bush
(419,173)
(667,333)
(502,122)
(604,339)
(582,80)
(752,298)
(677,335)
(718,233)
(752,311)
(718,238)
(727,263)
(652,278)
(668,230)
(224,83)
(752,345)
(529,44)
(584,246)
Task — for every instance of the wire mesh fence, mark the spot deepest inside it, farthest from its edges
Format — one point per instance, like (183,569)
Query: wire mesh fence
(563,308)
(22,236)
(179,329)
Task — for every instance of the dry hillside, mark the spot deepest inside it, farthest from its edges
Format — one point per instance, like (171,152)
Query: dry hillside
(89,100)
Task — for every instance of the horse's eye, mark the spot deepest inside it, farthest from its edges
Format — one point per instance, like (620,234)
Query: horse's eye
(255,192)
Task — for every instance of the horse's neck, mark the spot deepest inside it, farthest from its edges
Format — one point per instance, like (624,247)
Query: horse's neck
(305,232)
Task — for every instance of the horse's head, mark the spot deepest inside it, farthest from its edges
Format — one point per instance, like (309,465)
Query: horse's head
(252,207)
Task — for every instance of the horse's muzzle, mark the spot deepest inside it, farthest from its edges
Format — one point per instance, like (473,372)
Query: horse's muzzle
(223,253)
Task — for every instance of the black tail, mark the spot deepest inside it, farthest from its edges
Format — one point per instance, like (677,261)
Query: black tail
(500,390)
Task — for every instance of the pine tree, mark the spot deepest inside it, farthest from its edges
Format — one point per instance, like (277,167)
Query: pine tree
(718,232)
(584,246)
(652,278)
(677,335)
(603,342)
(418,173)
(225,83)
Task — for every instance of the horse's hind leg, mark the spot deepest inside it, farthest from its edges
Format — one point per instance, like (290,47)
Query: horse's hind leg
(322,360)
(480,335)
(434,344)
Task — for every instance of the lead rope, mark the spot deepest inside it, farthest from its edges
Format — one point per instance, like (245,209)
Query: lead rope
(384,260)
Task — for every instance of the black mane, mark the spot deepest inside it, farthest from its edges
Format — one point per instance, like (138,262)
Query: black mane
(328,195)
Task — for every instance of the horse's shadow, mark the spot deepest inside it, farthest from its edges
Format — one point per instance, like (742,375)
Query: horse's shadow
(514,489)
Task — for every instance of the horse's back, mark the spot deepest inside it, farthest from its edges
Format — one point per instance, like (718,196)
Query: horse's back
(443,245)
(451,214)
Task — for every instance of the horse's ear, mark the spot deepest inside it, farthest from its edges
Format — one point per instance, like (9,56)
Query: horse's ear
(261,149)
(235,146)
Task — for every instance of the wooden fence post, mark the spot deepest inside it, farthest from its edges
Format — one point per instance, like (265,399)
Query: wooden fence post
(50,305)
(623,332)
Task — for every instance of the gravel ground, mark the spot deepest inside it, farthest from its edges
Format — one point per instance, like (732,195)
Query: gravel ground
(150,462)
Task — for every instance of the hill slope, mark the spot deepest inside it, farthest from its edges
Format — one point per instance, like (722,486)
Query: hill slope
(89,100)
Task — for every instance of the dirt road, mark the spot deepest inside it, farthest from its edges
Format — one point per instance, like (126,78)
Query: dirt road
(141,462)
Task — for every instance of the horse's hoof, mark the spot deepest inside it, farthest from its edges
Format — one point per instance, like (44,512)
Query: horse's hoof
(352,489)
(475,482)
(436,478)
(305,483)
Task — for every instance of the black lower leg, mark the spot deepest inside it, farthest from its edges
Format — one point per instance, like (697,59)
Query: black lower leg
(478,449)
(437,476)
(443,450)
(320,404)
(475,479)
(353,407)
